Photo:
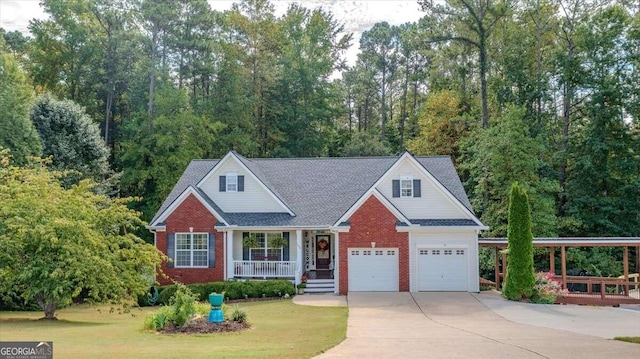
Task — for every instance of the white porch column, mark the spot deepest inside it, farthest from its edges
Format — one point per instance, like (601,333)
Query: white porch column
(299,256)
(336,263)
(229,254)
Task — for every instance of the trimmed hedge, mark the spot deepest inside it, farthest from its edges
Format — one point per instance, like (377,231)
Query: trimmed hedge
(234,289)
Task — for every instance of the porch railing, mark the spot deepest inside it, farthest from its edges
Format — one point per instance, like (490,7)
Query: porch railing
(264,269)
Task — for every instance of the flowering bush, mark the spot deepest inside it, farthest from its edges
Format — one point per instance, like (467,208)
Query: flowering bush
(546,289)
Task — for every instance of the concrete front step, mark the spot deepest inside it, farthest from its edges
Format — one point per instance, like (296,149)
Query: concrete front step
(320,286)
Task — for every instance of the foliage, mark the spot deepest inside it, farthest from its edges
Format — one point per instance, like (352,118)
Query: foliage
(365,144)
(499,156)
(158,319)
(546,289)
(250,241)
(182,307)
(71,138)
(16,97)
(172,81)
(238,315)
(441,126)
(59,243)
(183,304)
(277,242)
(520,280)
(233,289)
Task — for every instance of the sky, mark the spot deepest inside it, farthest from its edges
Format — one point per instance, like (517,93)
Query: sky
(356,16)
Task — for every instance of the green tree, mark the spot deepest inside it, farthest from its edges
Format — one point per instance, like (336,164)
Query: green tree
(16,97)
(520,277)
(58,244)
(499,156)
(364,143)
(472,23)
(603,184)
(71,138)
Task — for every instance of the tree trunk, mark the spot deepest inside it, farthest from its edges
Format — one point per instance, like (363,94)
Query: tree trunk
(483,81)
(567,98)
(48,306)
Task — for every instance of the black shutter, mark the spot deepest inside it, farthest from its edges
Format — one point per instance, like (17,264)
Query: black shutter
(396,188)
(240,183)
(212,250)
(416,188)
(245,249)
(223,183)
(285,248)
(171,249)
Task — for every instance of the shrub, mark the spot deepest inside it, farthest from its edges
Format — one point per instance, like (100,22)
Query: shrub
(238,315)
(158,319)
(234,289)
(183,304)
(520,277)
(166,292)
(546,289)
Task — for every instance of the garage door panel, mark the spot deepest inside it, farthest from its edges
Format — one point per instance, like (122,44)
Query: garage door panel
(373,269)
(443,269)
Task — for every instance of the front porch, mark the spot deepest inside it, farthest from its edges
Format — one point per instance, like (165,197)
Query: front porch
(307,252)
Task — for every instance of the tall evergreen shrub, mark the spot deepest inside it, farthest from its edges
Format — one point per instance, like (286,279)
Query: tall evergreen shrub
(520,278)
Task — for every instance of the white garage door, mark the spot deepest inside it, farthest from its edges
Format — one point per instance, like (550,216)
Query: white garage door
(443,269)
(373,269)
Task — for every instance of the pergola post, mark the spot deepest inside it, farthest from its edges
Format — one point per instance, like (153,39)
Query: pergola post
(552,260)
(563,255)
(625,261)
(504,265)
(497,268)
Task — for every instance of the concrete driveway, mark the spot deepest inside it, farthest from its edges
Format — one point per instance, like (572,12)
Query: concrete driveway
(459,325)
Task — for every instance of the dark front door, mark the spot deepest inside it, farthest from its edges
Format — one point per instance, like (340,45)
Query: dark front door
(323,252)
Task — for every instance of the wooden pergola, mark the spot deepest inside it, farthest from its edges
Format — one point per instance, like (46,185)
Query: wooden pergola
(563,243)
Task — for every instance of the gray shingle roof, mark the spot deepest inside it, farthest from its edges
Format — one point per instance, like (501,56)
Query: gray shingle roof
(318,190)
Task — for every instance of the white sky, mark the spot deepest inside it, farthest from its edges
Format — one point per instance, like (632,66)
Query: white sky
(357,16)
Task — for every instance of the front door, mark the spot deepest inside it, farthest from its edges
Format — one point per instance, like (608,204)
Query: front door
(323,252)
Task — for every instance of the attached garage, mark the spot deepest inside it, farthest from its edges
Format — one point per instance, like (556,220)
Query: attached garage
(443,269)
(373,269)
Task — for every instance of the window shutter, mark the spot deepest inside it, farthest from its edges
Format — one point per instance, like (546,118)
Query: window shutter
(245,250)
(171,249)
(240,183)
(223,183)
(396,188)
(212,250)
(416,188)
(285,248)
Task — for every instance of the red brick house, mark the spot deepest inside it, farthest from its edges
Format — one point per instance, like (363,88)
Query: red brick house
(400,223)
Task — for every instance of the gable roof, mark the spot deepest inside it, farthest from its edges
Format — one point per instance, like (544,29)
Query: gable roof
(318,190)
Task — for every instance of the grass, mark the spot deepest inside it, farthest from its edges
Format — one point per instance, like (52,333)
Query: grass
(280,329)
(635,340)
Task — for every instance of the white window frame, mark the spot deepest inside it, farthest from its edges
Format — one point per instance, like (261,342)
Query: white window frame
(404,180)
(264,248)
(190,236)
(232,186)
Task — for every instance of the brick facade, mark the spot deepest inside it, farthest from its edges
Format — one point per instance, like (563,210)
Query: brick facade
(373,222)
(191,213)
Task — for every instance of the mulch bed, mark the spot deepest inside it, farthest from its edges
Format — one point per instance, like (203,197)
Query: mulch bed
(203,326)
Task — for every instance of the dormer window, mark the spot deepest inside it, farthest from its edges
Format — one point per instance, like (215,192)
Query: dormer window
(406,187)
(231,182)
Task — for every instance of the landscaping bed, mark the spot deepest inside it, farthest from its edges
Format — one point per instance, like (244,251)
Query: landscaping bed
(203,326)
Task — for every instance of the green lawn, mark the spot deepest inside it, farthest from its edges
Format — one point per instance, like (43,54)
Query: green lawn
(635,340)
(279,329)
